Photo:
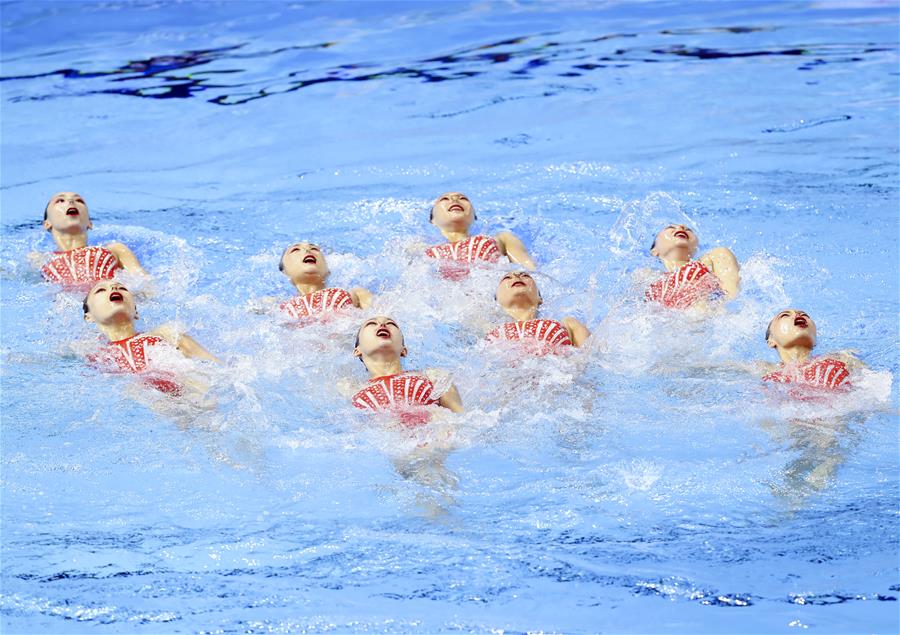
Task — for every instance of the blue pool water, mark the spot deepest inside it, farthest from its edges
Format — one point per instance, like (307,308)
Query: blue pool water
(646,484)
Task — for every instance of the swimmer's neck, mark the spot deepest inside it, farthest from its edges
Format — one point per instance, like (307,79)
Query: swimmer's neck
(116,332)
(521,313)
(380,368)
(794,354)
(674,264)
(305,288)
(455,236)
(68,242)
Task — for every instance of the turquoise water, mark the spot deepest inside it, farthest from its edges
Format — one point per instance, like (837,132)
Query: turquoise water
(644,485)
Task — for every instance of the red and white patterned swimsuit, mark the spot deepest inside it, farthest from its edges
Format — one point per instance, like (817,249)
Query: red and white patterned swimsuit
(460,255)
(317,303)
(544,336)
(682,288)
(825,373)
(406,394)
(81,265)
(130,356)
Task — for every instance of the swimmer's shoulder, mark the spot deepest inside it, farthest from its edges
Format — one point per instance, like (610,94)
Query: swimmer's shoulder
(170,332)
(848,357)
(719,256)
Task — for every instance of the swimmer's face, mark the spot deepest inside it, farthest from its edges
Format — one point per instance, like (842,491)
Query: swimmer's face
(791,327)
(675,242)
(380,337)
(516,289)
(67,213)
(109,301)
(453,211)
(304,261)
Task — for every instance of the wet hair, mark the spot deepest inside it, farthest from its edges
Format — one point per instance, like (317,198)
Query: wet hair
(84,304)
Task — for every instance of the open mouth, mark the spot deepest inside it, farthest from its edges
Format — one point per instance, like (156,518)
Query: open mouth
(309,259)
(72,211)
(682,234)
(383,332)
(518,283)
(115,296)
(801,322)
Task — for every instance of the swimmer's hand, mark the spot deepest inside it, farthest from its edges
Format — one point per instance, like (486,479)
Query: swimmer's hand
(262,306)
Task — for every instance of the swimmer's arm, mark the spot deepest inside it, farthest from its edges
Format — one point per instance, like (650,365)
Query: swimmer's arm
(186,345)
(514,249)
(191,348)
(726,268)
(578,332)
(126,258)
(362,298)
(451,400)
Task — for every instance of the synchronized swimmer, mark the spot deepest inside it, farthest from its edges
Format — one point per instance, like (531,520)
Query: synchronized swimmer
(67,219)
(518,295)
(412,395)
(691,282)
(305,265)
(111,308)
(408,394)
(793,334)
(452,213)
